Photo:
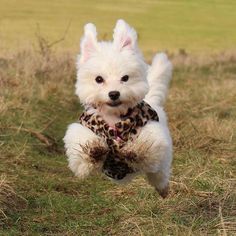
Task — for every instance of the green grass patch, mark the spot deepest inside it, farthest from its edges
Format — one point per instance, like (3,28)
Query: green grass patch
(54,202)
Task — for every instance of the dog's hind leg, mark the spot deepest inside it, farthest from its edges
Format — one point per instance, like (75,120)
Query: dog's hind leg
(160,181)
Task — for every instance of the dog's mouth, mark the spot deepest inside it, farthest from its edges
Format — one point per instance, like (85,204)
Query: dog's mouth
(114,103)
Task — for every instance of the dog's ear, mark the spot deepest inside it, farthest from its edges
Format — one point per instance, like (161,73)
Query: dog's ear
(88,43)
(124,37)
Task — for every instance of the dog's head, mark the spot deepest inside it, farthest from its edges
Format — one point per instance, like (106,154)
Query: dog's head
(111,75)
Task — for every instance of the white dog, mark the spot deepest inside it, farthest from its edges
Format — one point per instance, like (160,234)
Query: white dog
(112,78)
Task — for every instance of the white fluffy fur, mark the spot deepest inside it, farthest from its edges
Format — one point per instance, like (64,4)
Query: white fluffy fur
(112,60)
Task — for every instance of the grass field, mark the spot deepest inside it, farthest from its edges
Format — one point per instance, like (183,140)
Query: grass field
(38,193)
(37,104)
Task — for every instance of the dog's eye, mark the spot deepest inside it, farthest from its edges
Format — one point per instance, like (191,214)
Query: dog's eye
(99,79)
(125,78)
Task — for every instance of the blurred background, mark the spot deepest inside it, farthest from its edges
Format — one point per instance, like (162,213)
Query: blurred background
(200,26)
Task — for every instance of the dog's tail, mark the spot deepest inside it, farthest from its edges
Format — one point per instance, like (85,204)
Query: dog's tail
(159,76)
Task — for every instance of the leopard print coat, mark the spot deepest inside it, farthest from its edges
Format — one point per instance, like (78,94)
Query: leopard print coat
(116,137)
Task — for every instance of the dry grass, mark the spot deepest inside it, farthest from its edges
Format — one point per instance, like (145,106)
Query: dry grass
(37,103)
(9,201)
(6,192)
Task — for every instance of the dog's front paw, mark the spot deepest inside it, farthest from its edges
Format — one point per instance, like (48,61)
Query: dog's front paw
(95,150)
(134,152)
(129,155)
(98,153)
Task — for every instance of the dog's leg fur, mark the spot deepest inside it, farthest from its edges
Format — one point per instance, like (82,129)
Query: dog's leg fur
(85,150)
(153,150)
(160,181)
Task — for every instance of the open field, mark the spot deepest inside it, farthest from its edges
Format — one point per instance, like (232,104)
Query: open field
(199,26)
(38,193)
(37,103)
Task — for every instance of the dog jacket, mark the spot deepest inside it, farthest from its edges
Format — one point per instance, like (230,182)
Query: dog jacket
(115,165)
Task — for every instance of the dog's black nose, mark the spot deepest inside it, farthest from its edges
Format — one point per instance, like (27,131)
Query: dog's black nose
(114,95)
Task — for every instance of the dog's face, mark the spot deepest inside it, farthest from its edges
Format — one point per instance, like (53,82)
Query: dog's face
(111,75)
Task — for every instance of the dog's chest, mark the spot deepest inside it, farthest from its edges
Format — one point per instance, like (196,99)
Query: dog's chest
(115,166)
